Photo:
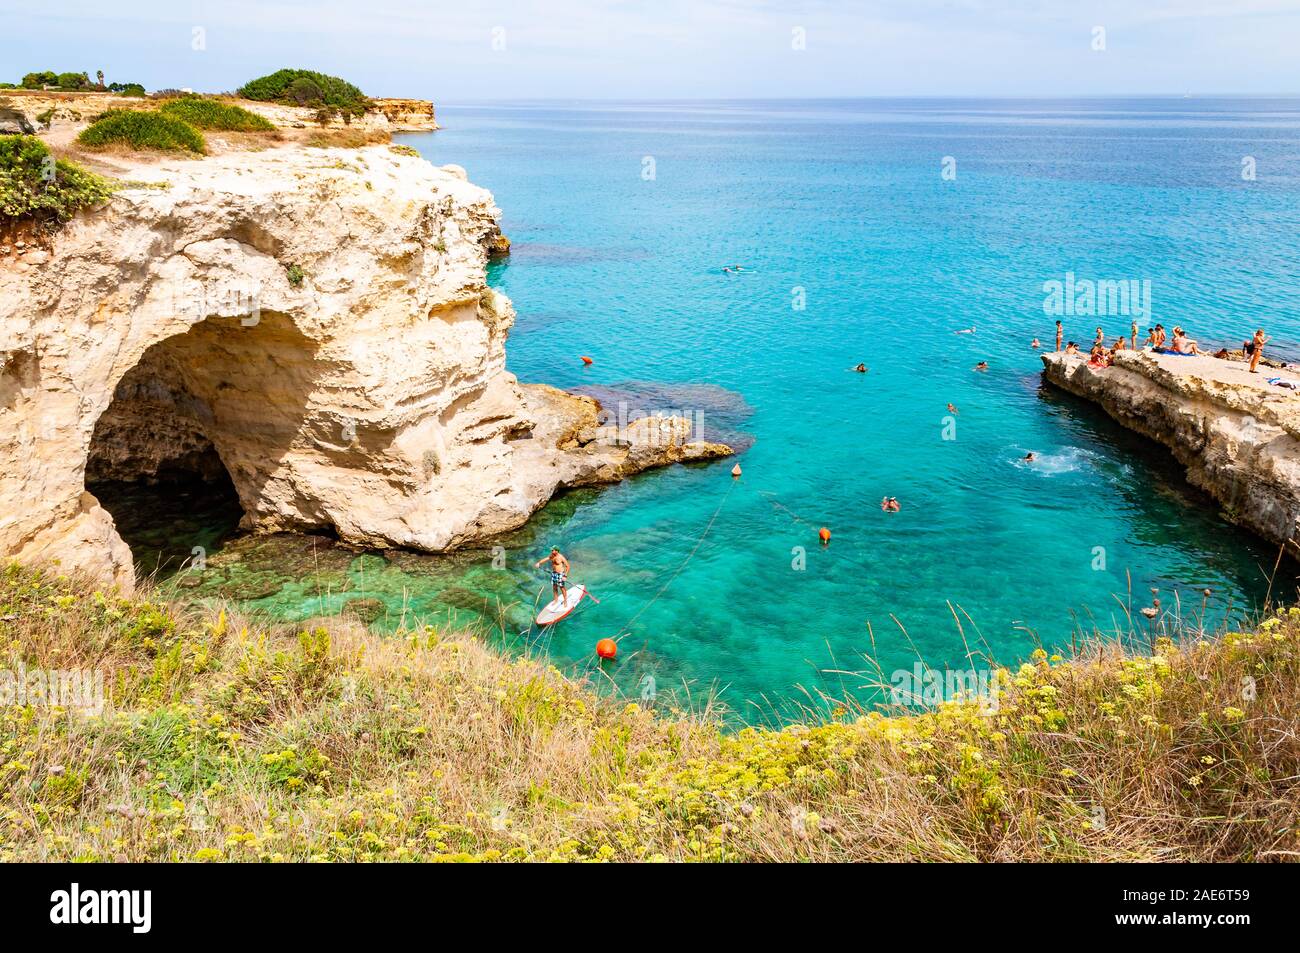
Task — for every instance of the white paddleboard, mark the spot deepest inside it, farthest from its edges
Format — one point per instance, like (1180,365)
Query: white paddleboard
(558,608)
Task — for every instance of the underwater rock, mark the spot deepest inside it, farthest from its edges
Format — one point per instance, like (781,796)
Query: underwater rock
(367,610)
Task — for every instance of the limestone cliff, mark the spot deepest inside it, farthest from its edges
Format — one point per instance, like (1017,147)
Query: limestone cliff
(1237,435)
(315,321)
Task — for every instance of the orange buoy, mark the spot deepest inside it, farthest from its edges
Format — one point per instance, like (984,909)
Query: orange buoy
(606,648)
(586,359)
(735,471)
(825,534)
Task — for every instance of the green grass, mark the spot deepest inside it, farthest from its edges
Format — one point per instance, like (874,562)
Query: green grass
(301,87)
(211,114)
(226,739)
(143,130)
(34,186)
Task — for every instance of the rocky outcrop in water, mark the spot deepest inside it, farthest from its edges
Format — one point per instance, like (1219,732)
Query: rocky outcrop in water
(316,320)
(1237,435)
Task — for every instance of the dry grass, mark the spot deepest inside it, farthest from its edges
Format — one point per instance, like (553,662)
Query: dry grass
(346,138)
(223,740)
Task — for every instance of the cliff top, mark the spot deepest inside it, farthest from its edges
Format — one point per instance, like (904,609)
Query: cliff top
(1227,383)
(43,110)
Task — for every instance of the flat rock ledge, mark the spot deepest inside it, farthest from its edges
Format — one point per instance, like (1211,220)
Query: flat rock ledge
(1237,435)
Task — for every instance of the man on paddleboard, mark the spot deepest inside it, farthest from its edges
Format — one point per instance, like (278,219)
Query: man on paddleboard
(559,571)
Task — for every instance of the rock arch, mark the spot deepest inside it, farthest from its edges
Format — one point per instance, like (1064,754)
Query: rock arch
(321,319)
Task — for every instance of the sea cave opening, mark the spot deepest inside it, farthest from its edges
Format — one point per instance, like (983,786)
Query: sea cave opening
(153,465)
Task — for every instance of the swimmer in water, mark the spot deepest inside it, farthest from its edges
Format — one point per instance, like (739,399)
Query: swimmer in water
(982,366)
(953,410)
(1029,457)
(861,368)
(969,330)
(1034,344)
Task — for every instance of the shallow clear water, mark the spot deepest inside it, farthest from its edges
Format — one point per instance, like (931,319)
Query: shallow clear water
(846,201)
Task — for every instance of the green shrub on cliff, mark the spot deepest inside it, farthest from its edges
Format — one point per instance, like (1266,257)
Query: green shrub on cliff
(70,81)
(302,87)
(36,186)
(212,114)
(143,130)
(127,89)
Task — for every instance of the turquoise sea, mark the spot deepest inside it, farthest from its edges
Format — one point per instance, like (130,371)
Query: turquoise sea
(856,246)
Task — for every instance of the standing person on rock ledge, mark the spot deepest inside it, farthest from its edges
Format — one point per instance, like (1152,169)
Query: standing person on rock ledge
(1255,348)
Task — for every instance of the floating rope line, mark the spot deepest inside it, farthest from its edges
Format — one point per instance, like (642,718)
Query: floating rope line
(839,554)
(626,628)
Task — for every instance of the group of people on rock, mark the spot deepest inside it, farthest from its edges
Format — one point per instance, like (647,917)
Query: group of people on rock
(1159,341)
(1101,355)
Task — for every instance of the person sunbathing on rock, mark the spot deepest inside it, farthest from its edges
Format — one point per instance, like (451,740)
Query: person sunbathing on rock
(1182,344)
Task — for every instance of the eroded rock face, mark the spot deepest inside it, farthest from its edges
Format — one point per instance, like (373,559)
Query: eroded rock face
(318,318)
(1238,436)
(407,114)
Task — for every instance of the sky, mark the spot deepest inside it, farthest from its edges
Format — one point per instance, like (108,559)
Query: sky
(475,50)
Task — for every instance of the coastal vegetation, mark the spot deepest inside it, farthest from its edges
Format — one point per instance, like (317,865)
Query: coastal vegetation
(35,186)
(301,87)
(227,740)
(143,130)
(213,114)
(73,82)
(50,79)
(347,138)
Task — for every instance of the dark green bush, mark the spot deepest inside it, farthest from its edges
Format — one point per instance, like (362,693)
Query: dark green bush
(304,92)
(39,79)
(211,114)
(302,87)
(73,81)
(33,185)
(143,130)
(127,89)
